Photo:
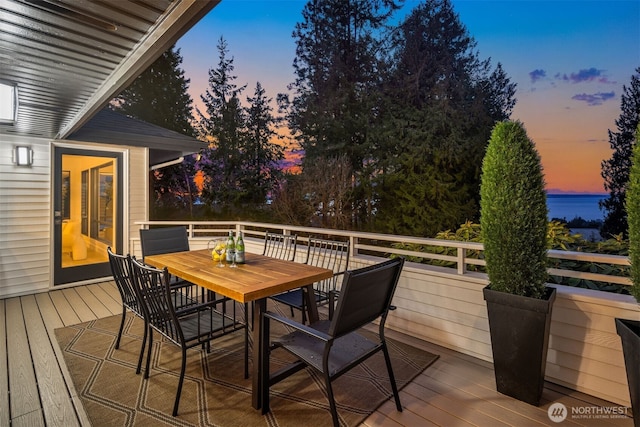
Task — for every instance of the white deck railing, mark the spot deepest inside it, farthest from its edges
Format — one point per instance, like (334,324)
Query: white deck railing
(382,245)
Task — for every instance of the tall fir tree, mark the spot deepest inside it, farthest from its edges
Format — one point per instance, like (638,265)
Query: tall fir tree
(440,105)
(160,96)
(222,126)
(336,69)
(261,152)
(615,170)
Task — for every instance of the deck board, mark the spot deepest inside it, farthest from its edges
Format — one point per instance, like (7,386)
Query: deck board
(32,419)
(457,390)
(56,404)
(387,415)
(97,307)
(80,307)
(465,399)
(507,407)
(64,309)
(52,321)
(24,399)
(113,304)
(450,403)
(111,289)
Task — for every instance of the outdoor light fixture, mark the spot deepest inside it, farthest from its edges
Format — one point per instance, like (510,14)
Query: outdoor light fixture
(8,102)
(22,155)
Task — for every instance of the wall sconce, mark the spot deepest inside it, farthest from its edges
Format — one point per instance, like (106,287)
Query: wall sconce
(22,155)
(8,102)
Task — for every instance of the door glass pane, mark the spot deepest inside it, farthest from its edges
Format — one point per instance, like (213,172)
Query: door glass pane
(88,209)
(105,204)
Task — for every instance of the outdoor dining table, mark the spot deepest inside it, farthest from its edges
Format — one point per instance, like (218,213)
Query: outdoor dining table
(254,281)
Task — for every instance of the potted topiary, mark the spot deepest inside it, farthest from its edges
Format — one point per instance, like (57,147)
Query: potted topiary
(629,330)
(513,219)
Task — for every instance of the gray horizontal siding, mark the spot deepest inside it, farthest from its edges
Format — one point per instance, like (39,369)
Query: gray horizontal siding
(25,224)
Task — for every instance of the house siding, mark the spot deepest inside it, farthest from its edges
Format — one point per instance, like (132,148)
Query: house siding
(25,231)
(138,192)
(26,237)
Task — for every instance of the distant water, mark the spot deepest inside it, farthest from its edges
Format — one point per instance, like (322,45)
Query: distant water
(570,206)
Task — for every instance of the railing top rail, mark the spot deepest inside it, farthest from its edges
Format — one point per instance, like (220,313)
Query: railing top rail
(344,233)
(589,256)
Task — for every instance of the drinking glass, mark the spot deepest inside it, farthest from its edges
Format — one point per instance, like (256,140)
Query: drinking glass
(218,246)
(232,252)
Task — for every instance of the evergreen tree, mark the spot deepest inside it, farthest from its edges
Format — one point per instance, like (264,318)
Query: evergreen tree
(441,104)
(499,98)
(336,68)
(334,65)
(159,96)
(615,171)
(222,125)
(261,153)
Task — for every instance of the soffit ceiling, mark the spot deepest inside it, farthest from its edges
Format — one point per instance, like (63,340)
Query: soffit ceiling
(69,58)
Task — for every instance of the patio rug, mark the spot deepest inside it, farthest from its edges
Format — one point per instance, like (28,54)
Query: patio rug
(215,392)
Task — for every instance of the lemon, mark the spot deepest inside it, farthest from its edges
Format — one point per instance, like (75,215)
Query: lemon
(214,254)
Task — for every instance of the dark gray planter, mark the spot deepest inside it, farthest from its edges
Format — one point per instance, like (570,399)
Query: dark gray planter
(519,328)
(629,331)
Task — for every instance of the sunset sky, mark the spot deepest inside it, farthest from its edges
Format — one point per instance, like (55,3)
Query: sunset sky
(569,59)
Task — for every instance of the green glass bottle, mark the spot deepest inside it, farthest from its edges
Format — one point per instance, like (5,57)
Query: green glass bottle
(231,245)
(240,249)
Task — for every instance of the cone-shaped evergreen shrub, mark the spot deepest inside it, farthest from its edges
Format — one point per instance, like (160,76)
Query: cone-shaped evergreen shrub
(513,209)
(633,217)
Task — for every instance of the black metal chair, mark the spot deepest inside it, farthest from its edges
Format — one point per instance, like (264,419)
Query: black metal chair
(281,246)
(156,241)
(333,347)
(192,326)
(123,276)
(330,254)
(164,240)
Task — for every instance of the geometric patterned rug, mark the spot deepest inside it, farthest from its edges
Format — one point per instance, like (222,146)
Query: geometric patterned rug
(215,392)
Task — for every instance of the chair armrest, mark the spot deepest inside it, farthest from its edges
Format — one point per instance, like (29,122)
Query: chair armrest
(297,326)
(332,302)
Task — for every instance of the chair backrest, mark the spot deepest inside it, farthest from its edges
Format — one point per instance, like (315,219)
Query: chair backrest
(153,290)
(366,295)
(281,246)
(123,276)
(156,241)
(331,254)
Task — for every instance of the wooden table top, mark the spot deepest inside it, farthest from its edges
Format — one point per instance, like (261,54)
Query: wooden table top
(259,277)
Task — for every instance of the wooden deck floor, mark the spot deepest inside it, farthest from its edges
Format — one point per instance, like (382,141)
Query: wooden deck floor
(456,390)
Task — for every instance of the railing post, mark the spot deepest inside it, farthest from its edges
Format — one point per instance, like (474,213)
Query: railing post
(462,266)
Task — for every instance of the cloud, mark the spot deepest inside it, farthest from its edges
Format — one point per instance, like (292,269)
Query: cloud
(594,99)
(590,75)
(536,75)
